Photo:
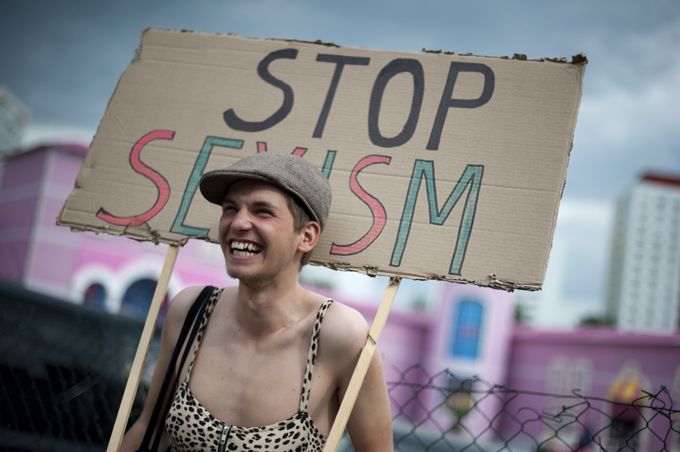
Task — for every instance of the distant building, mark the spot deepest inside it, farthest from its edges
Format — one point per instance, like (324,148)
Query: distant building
(113,273)
(470,336)
(606,366)
(644,281)
(438,364)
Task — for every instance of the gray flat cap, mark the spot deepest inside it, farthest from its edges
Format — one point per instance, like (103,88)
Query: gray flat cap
(302,180)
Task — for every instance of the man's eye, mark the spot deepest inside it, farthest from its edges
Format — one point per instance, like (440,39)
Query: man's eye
(264,212)
(228,208)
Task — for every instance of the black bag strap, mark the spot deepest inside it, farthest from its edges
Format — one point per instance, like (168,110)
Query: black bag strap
(190,327)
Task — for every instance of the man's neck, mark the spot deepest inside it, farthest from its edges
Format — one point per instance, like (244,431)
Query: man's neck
(262,311)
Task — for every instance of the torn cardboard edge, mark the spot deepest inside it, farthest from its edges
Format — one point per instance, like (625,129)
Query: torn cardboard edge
(576,59)
(579,58)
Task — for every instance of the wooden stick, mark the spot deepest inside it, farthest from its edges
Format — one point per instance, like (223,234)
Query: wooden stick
(142,349)
(362,366)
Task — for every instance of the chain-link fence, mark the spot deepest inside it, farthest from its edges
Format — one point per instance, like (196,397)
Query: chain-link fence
(444,413)
(63,369)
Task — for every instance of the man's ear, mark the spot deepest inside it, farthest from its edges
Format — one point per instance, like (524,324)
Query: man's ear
(310,236)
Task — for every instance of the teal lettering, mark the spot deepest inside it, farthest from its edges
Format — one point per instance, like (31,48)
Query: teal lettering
(178,225)
(328,163)
(470,180)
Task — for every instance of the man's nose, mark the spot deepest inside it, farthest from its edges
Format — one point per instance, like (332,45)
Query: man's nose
(241,219)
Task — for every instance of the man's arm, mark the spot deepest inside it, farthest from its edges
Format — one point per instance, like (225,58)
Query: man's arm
(370,423)
(172,325)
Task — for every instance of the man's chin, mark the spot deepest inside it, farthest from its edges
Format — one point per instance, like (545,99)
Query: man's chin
(243,276)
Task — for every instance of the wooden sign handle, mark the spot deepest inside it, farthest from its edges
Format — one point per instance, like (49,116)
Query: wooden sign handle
(142,349)
(362,365)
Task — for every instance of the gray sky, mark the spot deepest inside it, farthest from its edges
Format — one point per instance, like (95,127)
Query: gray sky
(63,59)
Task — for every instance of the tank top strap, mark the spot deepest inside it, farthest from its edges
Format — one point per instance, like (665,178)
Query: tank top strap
(212,301)
(311,355)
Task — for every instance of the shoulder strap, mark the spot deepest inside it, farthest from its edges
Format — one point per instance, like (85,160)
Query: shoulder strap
(311,355)
(195,341)
(189,328)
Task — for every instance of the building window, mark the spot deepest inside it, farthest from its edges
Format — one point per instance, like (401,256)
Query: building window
(137,299)
(556,376)
(467,329)
(95,296)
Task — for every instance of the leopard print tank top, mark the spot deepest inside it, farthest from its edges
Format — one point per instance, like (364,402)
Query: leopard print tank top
(191,427)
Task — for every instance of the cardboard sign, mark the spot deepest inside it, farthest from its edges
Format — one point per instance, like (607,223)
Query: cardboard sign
(442,166)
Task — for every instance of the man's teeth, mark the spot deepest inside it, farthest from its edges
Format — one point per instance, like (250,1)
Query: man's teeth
(244,248)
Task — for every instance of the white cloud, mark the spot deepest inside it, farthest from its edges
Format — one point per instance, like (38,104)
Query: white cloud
(43,133)
(584,212)
(634,101)
(620,118)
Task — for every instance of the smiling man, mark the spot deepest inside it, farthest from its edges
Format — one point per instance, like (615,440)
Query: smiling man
(272,360)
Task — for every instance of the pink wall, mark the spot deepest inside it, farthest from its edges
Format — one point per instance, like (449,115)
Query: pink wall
(589,360)
(13,257)
(21,170)
(51,258)
(488,364)
(403,346)
(19,196)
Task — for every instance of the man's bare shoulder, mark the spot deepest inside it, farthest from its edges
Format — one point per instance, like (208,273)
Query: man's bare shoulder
(344,331)
(179,306)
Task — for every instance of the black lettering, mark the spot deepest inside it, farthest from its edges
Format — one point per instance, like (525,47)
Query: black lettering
(237,123)
(393,68)
(340,62)
(448,101)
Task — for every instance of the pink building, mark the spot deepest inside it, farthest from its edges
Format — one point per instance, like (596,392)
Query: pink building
(466,337)
(470,336)
(598,363)
(115,273)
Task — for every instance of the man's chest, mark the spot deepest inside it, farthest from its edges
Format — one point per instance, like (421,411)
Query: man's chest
(249,386)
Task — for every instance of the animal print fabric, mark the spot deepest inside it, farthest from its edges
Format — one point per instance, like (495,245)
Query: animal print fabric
(191,427)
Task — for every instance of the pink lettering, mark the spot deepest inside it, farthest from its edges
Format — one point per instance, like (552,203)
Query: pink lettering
(158,180)
(376,207)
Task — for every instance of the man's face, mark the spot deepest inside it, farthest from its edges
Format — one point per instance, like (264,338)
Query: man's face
(257,234)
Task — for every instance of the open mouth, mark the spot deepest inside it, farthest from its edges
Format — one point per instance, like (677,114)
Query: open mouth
(241,248)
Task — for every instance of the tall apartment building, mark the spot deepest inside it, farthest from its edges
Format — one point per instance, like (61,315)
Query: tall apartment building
(644,279)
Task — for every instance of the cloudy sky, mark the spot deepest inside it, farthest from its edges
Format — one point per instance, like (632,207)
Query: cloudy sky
(63,59)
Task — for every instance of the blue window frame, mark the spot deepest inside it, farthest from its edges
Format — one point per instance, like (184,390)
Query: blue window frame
(467,331)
